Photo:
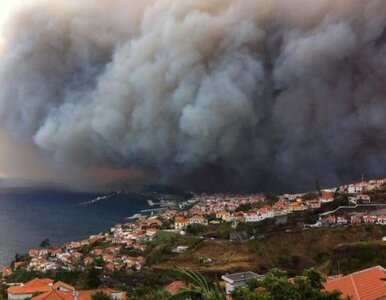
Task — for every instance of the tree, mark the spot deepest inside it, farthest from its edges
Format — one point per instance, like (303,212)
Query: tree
(211,217)
(90,278)
(309,196)
(101,296)
(315,278)
(271,198)
(45,244)
(277,286)
(161,294)
(199,287)
(317,187)
(244,207)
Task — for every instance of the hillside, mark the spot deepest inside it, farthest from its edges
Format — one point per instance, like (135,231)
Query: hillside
(290,251)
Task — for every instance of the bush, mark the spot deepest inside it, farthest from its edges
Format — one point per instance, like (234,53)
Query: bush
(101,296)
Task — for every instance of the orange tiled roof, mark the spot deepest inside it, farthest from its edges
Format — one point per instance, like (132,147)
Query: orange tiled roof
(197,217)
(82,295)
(34,285)
(181,220)
(87,294)
(6,271)
(363,285)
(175,286)
(54,295)
(59,284)
(222,212)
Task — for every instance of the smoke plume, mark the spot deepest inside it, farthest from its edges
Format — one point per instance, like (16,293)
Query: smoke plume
(221,93)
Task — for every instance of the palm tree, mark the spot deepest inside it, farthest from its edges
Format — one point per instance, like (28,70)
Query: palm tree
(199,287)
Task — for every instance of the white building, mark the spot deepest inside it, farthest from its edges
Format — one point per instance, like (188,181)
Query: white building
(253,217)
(238,279)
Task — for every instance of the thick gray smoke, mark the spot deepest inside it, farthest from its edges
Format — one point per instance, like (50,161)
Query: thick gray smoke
(219,93)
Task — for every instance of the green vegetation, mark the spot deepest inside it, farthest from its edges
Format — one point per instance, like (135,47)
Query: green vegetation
(317,187)
(22,275)
(161,249)
(196,229)
(347,258)
(244,207)
(276,285)
(45,244)
(271,198)
(101,296)
(90,278)
(198,287)
(310,196)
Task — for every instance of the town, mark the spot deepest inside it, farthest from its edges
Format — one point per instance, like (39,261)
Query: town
(127,246)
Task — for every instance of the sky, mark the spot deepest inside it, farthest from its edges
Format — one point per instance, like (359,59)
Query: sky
(21,162)
(6,8)
(221,94)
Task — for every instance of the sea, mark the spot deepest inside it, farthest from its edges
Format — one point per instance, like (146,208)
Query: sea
(30,215)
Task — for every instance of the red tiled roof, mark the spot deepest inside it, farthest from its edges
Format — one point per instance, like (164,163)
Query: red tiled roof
(82,294)
(175,286)
(363,285)
(197,217)
(54,295)
(6,271)
(34,285)
(87,294)
(181,220)
(60,284)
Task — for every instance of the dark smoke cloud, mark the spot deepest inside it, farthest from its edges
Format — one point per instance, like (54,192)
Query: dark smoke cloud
(220,93)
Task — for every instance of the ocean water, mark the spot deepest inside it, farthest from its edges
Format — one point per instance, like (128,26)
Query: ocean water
(27,216)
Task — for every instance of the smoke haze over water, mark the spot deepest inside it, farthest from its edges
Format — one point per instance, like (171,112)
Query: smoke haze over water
(205,94)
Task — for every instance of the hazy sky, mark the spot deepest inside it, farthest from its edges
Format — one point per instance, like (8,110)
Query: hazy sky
(222,93)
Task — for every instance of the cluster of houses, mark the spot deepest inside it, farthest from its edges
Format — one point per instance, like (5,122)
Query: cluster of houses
(115,249)
(364,284)
(226,207)
(363,186)
(355,219)
(46,288)
(361,285)
(111,250)
(213,209)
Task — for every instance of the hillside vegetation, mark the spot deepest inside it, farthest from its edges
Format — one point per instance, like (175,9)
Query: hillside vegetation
(290,251)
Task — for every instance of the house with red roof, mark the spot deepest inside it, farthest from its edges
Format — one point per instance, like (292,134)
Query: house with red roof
(79,295)
(180,223)
(266,212)
(369,219)
(296,206)
(26,290)
(327,196)
(239,216)
(253,216)
(223,215)
(381,220)
(62,286)
(55,295)
(329,219)
(48,290)
(367,284)
(175,286)
(355,220)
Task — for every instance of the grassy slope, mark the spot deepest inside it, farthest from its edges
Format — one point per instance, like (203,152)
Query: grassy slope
(289,251)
